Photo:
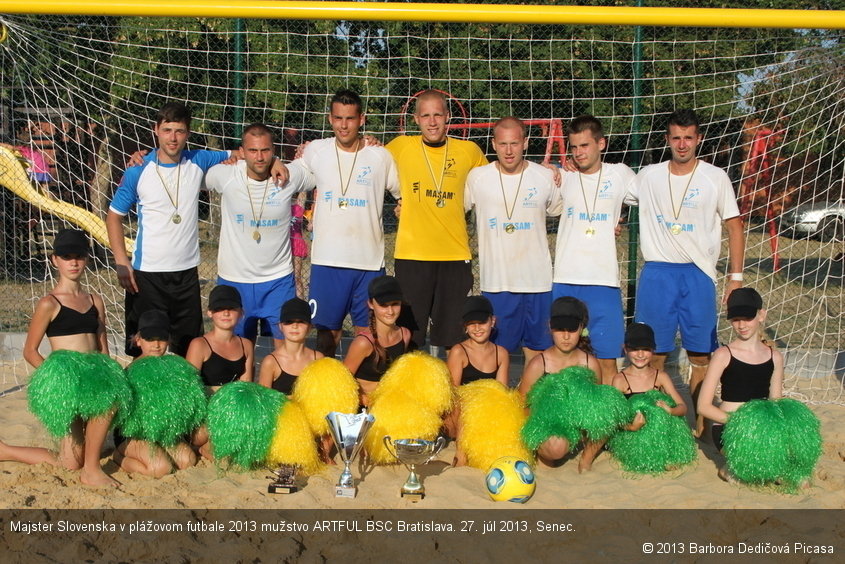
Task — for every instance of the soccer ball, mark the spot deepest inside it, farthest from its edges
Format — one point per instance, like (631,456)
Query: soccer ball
(510,479)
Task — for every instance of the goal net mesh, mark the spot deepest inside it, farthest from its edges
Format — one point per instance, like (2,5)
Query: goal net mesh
(82,92)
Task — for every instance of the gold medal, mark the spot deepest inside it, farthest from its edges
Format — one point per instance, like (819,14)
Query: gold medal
(342,203)
(510,228)
(441,202)
(590,231)
(256,235)
(176,218)
(676,229)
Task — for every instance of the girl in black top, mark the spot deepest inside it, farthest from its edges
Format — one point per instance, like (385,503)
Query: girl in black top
(477,357)
(747,368)
(370,354)
(280,368)
(220,355)
(72,319)
(640,377)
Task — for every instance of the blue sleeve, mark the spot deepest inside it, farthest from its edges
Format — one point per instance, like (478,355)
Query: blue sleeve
(126,195)
(207,159)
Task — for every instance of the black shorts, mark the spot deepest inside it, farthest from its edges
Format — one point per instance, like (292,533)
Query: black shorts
(177,294)
(436,291)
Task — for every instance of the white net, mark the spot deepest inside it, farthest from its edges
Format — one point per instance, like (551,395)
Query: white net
(83,91)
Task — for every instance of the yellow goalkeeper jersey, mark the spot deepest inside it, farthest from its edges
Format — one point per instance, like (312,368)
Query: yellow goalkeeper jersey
(432,223)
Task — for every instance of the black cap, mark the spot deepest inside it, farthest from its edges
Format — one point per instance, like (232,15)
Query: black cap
(477,308)
(385,289)
(568,314)
(71,242)
(744,303)
(154,325)
(224,297)
(640,336)
(295,309)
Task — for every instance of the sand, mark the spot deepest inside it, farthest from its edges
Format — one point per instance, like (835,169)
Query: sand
(606,487)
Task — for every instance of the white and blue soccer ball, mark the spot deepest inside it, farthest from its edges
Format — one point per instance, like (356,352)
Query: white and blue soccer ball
(510,479)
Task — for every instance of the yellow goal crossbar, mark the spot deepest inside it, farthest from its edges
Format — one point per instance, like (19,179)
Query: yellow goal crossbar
(480,13)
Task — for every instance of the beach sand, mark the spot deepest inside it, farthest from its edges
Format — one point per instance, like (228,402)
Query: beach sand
(606,487)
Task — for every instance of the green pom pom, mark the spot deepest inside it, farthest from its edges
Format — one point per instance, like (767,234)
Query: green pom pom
(772,442)
(241,422)
(170,399)
(570,404)
(665,442)
(103,387)
(70,385)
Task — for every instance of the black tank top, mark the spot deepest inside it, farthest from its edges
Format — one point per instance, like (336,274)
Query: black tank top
(471,373)
(743,382)
(284,382)
(217,370)
(72,322)
(545,372)
(631,391)
(369,371)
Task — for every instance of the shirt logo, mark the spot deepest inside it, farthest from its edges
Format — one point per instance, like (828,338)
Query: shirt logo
(363,177)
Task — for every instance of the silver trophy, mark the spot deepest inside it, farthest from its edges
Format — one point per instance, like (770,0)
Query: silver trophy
(411,452)
(348,431)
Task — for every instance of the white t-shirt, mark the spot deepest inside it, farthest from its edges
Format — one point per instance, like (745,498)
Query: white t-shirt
(240,258)
(160,193)
(585,252)
(348,231)
(709,200)
(513,249)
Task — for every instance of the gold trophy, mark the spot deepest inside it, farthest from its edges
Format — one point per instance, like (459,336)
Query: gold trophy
(411,452)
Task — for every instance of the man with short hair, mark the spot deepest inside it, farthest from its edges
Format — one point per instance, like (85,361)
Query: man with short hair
(683,203)
(586,263)
(512,198)
(347,251)
(165,191)
(254,254)
(432,247)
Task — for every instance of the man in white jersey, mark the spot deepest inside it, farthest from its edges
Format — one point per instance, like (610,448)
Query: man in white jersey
(165,190)
(512,198)
(254,254)
(347,250)
(586,263)
(683,203)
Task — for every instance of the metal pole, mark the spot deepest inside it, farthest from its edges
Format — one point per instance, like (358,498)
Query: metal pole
(238,83)
(636,162)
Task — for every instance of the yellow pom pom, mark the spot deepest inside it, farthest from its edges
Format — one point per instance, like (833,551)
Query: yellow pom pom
(324,386)
(293,442)
(399,416)
(420,376)
(491,419)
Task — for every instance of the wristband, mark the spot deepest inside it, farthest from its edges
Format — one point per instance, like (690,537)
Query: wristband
(735,276)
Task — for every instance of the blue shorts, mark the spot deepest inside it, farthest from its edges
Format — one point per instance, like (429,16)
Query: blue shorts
(606,325)
(337,291)
(521,319)
(262,305)
(670,296)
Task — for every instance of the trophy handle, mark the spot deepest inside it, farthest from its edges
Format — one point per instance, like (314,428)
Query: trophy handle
(387,443)
(438,446)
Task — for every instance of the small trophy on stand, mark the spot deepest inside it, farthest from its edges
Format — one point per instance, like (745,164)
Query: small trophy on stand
(284,480)
(348,432)
(411,452)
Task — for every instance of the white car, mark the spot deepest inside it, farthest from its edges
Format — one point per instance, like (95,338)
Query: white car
(824,219)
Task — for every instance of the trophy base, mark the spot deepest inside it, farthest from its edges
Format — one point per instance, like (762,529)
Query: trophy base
(347,492)
(281,489)
(413,497)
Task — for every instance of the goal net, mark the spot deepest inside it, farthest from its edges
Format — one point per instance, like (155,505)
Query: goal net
(82,91)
